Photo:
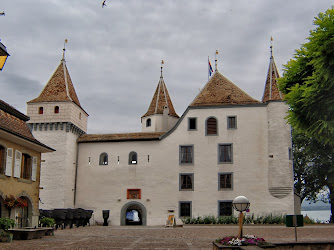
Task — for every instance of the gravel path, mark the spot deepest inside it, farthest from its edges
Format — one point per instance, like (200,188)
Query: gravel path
(189,237)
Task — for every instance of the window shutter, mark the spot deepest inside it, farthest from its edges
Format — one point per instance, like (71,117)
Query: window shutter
(34,169)
(17,165)
(211,126)
(9,162)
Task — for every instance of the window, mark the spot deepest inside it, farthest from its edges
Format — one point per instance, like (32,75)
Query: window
(134,194)
(40,111)
(26,166)
(192,123)
(231,122)
(186,154)
(2,159)
(186,182)
(225,153)
(132,158)
(185,209)
(56,110)
(225,181)
(148,122)
(224,208)
(103,159)
(211,126)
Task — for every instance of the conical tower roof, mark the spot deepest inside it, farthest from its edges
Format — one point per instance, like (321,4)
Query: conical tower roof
(221,91)
(59,88)
(160,99)
(271,91)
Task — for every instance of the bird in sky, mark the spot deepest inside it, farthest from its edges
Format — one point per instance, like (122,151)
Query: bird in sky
(104,3)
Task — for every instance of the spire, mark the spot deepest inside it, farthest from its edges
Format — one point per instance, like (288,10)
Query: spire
(271,91)
(59,88)
(161,99)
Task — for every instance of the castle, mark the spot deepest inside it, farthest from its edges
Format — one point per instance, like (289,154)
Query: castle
(225,144)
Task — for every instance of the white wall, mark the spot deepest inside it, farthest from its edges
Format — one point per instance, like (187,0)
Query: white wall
(104,187)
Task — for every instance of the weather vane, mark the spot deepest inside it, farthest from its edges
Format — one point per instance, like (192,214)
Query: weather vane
(216,60)
(64,49)
(162,62)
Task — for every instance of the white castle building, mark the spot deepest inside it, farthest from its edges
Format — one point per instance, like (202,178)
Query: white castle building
(225,144)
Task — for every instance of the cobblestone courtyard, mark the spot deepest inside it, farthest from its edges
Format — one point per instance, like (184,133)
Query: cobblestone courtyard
(189,237)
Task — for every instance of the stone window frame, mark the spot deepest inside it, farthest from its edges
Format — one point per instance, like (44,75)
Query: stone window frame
(192,154)
(180,210)
(225,201)
(207,127)
(229,124)
(225,144)
(56,110)
(103,159)
(41,110)
(191,175)
(219,181)
(133,158)
(189,123)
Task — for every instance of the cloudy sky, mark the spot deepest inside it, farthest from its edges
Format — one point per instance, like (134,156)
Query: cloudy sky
(113,53)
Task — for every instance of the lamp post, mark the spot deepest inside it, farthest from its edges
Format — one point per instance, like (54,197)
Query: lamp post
(240,203)
(3,55)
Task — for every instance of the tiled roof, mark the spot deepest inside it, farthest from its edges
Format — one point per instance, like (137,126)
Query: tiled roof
(160,99)
(59,87)
(120,137)
(14,122)
(271,91)
(221,91)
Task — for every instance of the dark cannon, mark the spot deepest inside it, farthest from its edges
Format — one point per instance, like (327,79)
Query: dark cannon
(59,215)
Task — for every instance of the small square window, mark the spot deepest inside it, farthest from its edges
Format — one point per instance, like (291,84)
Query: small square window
(192,123)
(225,153)
(225,208)
(186,154)
(231,122)
(186,182)
(225,181)
(185,209)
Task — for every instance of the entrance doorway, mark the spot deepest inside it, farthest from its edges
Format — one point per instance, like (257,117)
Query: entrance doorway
(133,213)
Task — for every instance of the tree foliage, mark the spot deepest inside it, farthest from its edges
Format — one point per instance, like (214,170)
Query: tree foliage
(313,168)
(308,82)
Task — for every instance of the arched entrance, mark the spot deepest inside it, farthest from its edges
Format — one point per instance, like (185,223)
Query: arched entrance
(24,212)
(133,213)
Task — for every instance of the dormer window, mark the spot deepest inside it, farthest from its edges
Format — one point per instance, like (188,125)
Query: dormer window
(56,109)
(40,111)
(148,122)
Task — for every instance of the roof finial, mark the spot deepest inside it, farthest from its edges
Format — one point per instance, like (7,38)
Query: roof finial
(216,68)
(271,47)
(162,62)
(63,59)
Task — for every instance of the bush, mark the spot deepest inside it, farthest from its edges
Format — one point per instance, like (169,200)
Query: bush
(6,223)
(48,222)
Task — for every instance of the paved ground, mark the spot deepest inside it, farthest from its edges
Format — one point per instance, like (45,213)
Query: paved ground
(189,237)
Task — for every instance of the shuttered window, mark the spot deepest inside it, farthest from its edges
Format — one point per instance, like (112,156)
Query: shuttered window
(211,126)
(26,167)
(34,169)
(9,162)
(17,164)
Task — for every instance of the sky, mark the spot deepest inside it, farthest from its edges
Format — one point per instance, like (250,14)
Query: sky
(114,53)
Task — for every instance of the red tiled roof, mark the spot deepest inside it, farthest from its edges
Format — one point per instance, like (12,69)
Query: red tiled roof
(14,122)
(120,137)
(271,91)
(160,99)
(55,90)
(221,91)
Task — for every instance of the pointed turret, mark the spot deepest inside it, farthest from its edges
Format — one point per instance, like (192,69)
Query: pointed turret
(221,91)
(59,88)
(271,92)
(161,107)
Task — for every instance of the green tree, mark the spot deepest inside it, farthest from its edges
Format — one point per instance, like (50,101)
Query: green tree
(313,168)
(308,82)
